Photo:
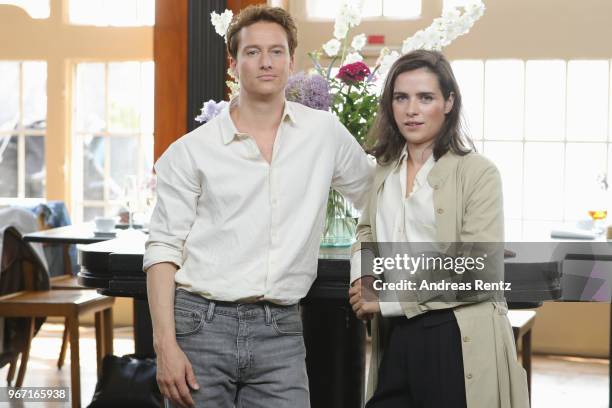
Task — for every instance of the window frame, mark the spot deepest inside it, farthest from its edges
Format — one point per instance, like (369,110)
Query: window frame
(382,18)
(108,204)
(22,133)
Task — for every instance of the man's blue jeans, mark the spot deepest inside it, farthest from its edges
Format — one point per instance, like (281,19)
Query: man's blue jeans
(243,355)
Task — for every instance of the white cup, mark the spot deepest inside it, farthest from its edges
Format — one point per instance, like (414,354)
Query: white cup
(104,224)
(585,224)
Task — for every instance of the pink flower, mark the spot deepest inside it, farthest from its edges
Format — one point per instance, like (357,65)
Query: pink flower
(353,73)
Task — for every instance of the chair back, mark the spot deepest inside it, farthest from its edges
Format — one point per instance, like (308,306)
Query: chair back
(20,269)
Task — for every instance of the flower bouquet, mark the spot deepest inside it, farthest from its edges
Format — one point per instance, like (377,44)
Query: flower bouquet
(349,88)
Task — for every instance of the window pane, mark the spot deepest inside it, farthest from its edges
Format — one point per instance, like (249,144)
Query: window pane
(112,12)
(545,100)
(89,213)
(372,8)
(34,94)
(504,99)
(402,8)
(90,98)
(146,12)
(587,100)
(584,162)
(35,8)
(328,9)
(508,157)
(450,4)
(35,167)
(322,8)
(610,177)
(147,147)
(93,167)
(124,161)
(121,12)
(147,96)
(8,166)
(86,12)
(513,230)
(9,95)
(544,181)
(470,77)
(123,97)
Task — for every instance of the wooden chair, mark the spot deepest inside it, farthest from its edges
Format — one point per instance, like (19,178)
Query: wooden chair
(522,322)
(21,269)
(65,281)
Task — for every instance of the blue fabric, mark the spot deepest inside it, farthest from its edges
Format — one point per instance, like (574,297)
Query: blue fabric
(55,214)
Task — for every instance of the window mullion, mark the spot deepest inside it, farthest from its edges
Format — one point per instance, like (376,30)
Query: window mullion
(20,140)
(107,142)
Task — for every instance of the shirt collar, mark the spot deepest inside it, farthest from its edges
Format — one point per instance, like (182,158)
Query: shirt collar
(402,157)
(228,129)
(421,176)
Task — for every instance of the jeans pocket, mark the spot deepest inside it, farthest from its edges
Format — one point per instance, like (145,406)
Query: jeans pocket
(187,322)
(287,323)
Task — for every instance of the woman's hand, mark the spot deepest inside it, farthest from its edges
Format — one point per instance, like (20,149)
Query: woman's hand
(363,298)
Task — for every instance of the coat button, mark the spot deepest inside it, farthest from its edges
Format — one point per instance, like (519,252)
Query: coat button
(469,376)
(440,211)
(466,339)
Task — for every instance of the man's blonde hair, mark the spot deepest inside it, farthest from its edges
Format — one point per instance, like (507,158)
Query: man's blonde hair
(256,13)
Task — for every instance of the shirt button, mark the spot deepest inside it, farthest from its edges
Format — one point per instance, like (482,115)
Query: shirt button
(469,376)
(440,211)
(466,339)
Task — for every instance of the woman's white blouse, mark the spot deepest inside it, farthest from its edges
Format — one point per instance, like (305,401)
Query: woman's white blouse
(400,218)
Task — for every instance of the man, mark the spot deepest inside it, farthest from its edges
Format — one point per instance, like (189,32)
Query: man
(237,225)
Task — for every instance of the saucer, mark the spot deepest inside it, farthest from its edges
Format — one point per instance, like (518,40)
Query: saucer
(109,234)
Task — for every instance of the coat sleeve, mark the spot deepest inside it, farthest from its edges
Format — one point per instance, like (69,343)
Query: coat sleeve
(483,208)
(364,250)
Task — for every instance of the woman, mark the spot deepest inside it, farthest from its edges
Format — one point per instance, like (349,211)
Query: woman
(430,186)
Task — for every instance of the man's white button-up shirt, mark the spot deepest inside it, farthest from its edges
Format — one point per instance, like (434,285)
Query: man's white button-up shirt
(240,228)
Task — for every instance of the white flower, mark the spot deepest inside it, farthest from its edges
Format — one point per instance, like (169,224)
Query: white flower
(359,41)
(386,62)
(341,28)
(352,57)
(451,14)
(222,21)
(351,10)
(475,10)
(408,45)
(332,47)
(446,28)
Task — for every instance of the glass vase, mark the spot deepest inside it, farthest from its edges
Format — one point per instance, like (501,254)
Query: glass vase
(340,224)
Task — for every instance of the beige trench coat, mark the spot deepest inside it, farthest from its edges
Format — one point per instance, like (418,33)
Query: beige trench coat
(468,207)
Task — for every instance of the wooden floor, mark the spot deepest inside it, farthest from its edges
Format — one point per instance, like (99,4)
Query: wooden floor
(560,382)
(42,366)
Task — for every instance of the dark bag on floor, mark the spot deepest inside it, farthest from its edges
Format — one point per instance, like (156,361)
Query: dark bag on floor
(127,381)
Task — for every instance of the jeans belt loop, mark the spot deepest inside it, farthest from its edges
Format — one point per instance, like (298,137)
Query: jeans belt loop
(268,314)
(210,313)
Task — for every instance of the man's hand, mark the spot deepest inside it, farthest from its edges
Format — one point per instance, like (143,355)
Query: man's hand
(175,375)
(363,298)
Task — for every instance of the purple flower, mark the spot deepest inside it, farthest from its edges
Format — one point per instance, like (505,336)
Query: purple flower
(209,110)
(309,90)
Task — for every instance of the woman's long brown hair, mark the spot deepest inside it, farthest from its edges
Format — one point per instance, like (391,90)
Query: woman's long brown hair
(385,135)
